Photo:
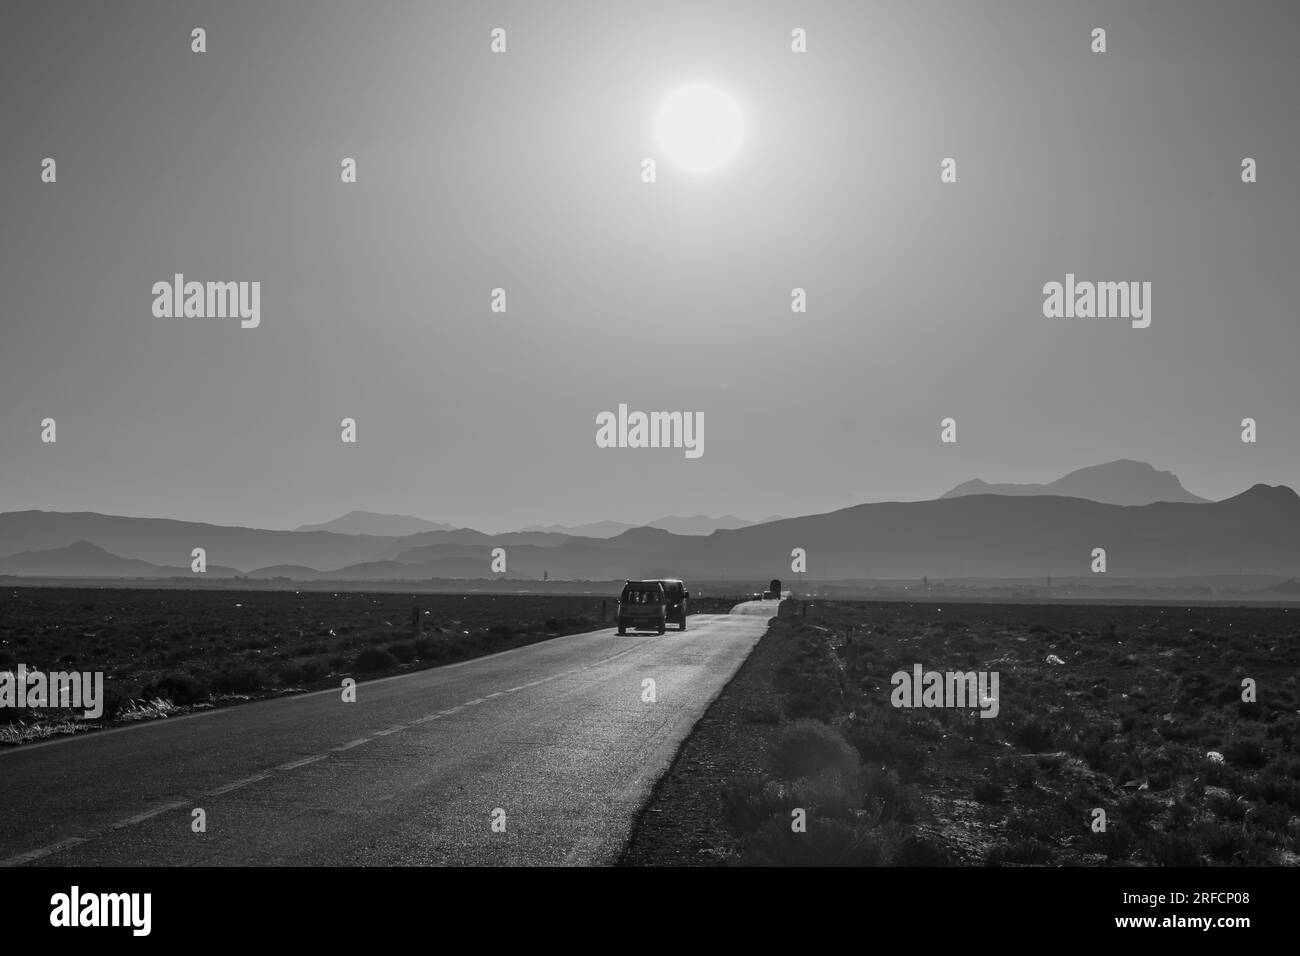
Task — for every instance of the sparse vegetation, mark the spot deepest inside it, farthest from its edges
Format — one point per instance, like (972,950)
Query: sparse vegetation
(188,649)
(1133,710)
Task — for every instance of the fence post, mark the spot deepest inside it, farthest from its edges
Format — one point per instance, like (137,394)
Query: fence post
(415,623)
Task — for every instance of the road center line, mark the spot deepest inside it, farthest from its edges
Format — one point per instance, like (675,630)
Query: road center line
(31,855)
(237,784)
(284,767)
(141,817)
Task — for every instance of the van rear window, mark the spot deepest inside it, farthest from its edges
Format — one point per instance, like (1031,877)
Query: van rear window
(640,596)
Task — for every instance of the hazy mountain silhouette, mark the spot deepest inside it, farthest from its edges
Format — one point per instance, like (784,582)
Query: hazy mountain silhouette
(1012,536)
(677,524)
(406,549)
(369,522)
(166,542)
(1122,482)
(988,536)
(700,524)
(968,536)
(459,555)
(81,559)
(596,529)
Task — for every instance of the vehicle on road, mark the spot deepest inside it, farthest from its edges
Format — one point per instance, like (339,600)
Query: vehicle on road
(675,595)
(642,606)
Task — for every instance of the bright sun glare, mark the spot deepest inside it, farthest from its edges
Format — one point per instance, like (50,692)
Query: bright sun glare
(699,127)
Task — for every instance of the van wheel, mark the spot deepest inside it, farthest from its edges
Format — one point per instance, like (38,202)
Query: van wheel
(682,626)
(622,632)
(662,628)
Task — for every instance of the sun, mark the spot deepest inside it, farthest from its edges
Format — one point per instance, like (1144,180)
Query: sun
(699,127)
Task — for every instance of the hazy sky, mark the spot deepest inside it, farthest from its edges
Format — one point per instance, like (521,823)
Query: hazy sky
(522,170)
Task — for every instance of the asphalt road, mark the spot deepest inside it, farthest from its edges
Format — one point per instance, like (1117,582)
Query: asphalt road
(560,741)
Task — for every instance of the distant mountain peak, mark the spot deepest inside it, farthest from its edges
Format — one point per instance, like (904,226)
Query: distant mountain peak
(374,523)
(1280,494)
(1120,482)
(81,558)
(82,546)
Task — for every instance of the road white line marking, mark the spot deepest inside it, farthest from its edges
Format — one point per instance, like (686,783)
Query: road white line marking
(30,855)
(471,703)
(355,743)
(141,817)
(284,767)
(390,730)
(237,784)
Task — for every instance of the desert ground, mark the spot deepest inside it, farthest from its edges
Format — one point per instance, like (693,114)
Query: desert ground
(1134,711)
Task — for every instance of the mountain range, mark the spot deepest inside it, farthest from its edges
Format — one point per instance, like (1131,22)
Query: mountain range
(963,534)
(677,524)
(1122,482)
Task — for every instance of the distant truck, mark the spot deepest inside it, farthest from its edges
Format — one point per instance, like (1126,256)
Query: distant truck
(775,589)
